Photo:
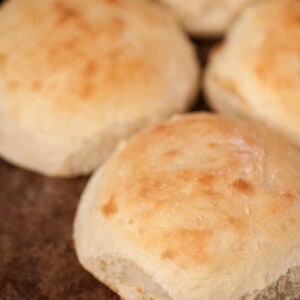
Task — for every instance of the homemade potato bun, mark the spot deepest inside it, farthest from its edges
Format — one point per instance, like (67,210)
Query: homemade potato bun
(206,17)
(77,76)
(200,207)
(256,72)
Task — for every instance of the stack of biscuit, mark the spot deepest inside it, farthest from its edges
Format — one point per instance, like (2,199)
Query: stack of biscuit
(182,206)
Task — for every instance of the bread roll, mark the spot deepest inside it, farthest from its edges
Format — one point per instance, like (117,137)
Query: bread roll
(77,76)
(201,207)
(256,72)
(206,17)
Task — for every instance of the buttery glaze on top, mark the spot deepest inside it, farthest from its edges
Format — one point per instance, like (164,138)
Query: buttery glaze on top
(200,190)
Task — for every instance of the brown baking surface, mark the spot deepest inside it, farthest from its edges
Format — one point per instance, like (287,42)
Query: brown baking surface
(37,256)
(37,259)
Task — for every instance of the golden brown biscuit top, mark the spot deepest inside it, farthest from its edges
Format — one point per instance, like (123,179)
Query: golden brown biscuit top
(43,41)
(88,59)
(203,189)
(277,57)
(266,42)
(258,66)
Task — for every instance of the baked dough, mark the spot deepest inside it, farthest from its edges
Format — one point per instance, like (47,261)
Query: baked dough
(206,17)
(77,76)
(256,72)
(201,207)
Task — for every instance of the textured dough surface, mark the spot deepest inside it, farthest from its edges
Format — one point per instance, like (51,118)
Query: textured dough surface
(256,72)
(77,76)
(206,17)
(204,206)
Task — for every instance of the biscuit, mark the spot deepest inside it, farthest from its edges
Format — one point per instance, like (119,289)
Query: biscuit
(206,17)
(200,207)
(256,72)
(78,76)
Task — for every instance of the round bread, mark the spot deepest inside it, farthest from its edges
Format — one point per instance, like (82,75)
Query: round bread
(77,76)
(256,72)
(201,207)
(206,17)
